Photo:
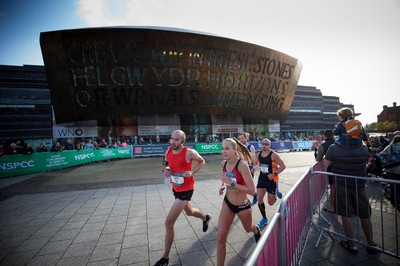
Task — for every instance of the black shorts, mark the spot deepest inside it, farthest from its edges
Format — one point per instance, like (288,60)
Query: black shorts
(183,195)
(348,202)
(267,184)
(236,209)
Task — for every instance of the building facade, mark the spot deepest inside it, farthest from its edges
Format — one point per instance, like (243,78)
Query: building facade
(311,113)
(25,105)
(390,114)
(26,113)
(140,84)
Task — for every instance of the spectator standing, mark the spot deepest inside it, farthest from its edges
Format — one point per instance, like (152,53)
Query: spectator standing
(95,145)
(42,148)
(386,142)
(88,145)
(179,159)
(351,193)
(123,143)
(19,146)
(27,148)
(56,147)
(12,149)
(393,172)
(375,143)
(316,142)
(69,145)
(322,149)
(103,143)
(243,138)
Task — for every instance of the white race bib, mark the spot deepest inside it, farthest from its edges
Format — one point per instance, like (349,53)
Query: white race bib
(232,178)
(177,179)
(264,168)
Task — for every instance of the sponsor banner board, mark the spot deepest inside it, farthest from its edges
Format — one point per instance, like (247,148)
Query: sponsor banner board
(14,165)
(209,147)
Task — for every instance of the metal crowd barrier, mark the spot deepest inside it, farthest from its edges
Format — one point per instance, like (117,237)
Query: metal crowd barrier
(290,224)
(384,216)
(285,238)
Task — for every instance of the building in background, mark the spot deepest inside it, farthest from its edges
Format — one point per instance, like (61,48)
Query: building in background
(141,83)
(25,105)
(390,114)
(311,113)
(26,114)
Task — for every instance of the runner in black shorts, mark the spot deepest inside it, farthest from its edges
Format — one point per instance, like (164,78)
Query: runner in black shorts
(271,165)
(183,163)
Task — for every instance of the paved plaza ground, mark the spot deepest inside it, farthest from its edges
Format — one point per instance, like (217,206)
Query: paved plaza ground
(112,213)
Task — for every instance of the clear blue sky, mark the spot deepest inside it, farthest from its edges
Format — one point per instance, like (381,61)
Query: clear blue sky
(348,49)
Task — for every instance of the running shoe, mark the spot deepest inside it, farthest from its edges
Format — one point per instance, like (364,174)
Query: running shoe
(162,262)
(258,235)
(206,222)
(263,222)
(279,194)
(255,199)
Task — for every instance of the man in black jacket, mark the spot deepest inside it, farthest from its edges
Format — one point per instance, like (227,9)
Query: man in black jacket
(351,192)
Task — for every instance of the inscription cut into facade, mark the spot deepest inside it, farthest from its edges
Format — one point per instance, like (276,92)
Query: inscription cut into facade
(107,72)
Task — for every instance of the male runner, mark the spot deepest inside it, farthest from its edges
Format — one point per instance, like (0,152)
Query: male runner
(271,165)
(179,159)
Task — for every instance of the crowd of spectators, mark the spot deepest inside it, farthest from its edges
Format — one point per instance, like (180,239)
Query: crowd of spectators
(20,147)
(24,147)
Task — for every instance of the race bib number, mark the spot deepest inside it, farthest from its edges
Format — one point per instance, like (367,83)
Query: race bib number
(232,178)
(264,168)
(177,179)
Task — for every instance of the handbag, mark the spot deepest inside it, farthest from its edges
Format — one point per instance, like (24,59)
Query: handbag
(389,160)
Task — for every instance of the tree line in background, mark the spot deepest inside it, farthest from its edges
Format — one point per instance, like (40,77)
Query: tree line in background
(387,126)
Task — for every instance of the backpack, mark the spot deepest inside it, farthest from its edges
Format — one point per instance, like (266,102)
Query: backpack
(353,128)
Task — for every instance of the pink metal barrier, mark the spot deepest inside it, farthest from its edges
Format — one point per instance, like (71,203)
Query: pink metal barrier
(270,255)
(300,209)
(286,234)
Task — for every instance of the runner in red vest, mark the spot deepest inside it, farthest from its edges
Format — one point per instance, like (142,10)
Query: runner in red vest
(181,173)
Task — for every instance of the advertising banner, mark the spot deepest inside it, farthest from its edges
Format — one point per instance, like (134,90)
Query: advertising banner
(150,150)
(208,148)
(276,145)
(153,150)
(302,145)
(14,165)
(74,132)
